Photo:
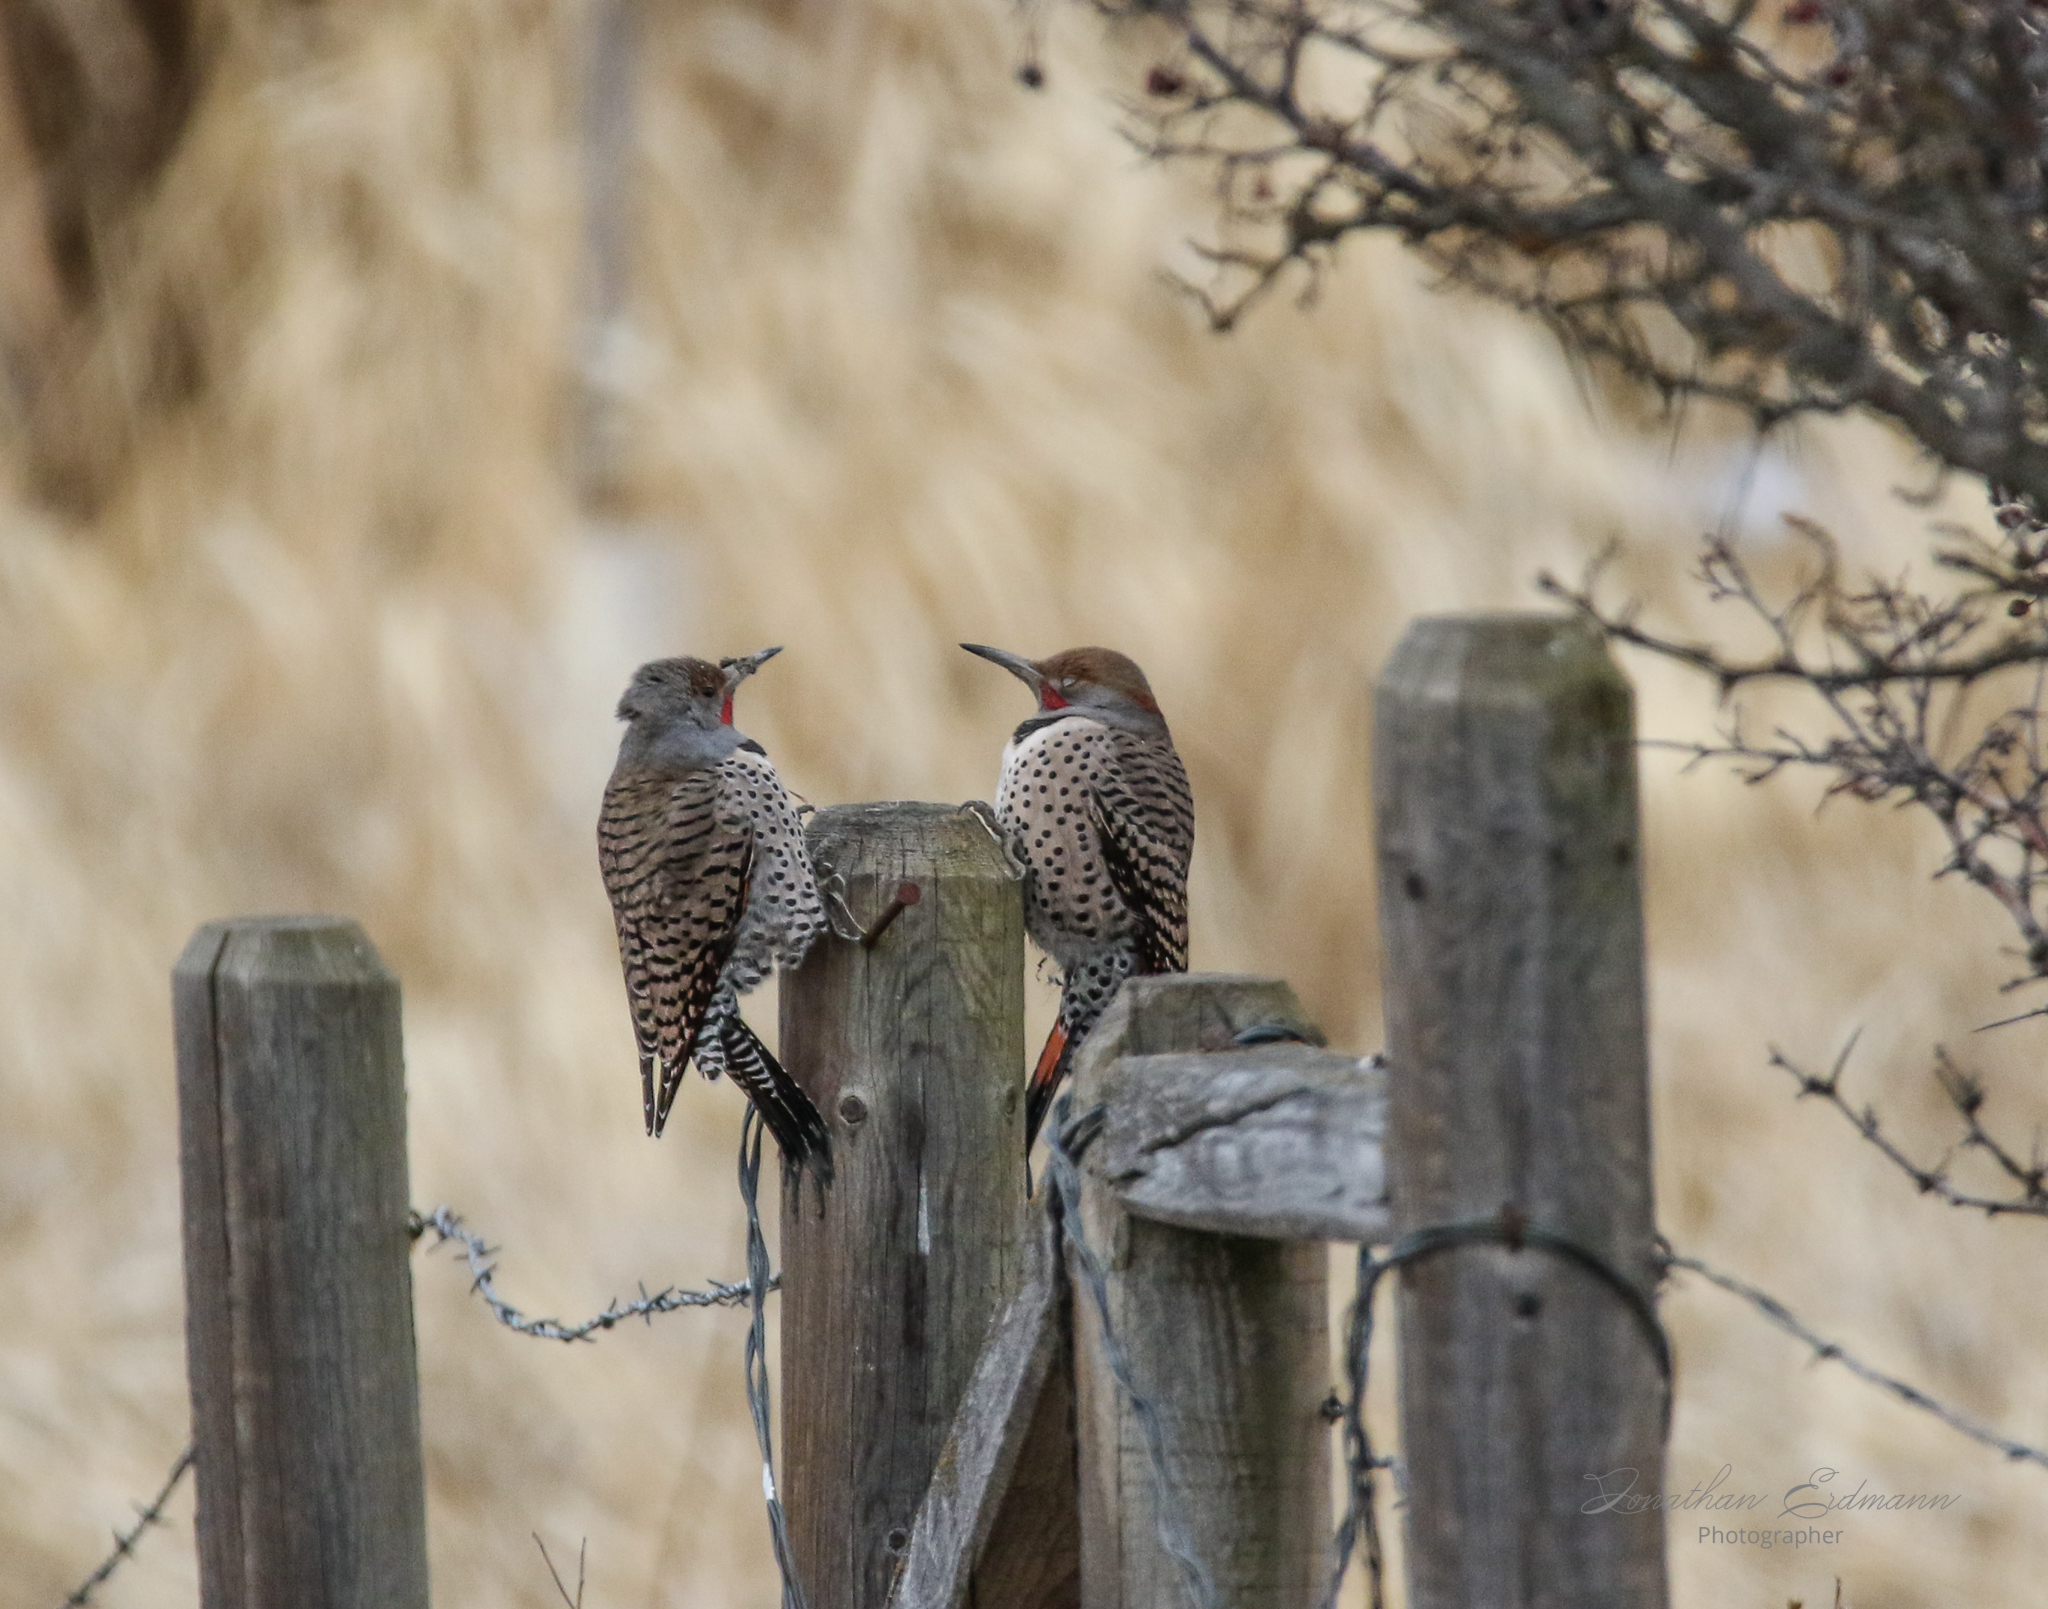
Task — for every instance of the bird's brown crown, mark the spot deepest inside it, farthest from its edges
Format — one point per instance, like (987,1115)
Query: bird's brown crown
(1103,667)
(690,678)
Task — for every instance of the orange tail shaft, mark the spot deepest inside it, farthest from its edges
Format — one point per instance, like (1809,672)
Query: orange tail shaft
(1045,1082)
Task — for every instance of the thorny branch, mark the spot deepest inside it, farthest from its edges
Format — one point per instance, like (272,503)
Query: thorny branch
(1807,206)
(1903,677)
(1932,700)
(1801,207)
(1827,1351)
(1966,1093)
(446,1225)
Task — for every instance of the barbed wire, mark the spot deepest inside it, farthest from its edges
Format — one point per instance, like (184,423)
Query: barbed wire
(1362,1464)
(124,1542)
(1827,1351)
(1067,1139)
(447,1225)
(752,1292)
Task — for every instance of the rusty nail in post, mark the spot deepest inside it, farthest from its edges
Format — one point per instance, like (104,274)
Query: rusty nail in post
(907,895)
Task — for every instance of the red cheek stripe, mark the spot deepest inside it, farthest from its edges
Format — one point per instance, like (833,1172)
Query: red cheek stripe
(725,714)
(1048,699)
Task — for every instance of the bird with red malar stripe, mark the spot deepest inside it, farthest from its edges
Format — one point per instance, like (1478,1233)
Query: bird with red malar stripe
(1097,809)
(711,888)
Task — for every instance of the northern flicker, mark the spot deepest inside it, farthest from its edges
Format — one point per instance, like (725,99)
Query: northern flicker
(704,860)
(1097,808)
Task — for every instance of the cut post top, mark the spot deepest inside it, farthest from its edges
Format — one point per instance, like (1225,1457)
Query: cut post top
(1526,660)
(298,950)
(868,835)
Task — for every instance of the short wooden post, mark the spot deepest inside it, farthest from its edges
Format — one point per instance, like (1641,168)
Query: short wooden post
(1504,778)
(298,1279)
(1227,1334)
(913,1047)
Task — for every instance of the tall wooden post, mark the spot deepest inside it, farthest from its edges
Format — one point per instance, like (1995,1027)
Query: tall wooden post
(298,1280)
(913,1047)
(1504,779)
(1227,1334)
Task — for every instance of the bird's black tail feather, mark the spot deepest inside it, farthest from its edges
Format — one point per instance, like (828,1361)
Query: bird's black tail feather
(789,1113)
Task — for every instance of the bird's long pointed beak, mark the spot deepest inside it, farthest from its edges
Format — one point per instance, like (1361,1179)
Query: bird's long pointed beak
(741,666)
(1016,664)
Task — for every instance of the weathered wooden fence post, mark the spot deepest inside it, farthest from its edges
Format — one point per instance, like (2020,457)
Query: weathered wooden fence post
(1504,778)
(913,1047)
(298,1281)
(1227,1334)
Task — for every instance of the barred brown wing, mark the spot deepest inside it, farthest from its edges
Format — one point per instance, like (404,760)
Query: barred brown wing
(677,875)
(1143,814)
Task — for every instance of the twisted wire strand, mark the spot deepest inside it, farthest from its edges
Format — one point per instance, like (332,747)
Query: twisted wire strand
(759,1402)
(1361,1462)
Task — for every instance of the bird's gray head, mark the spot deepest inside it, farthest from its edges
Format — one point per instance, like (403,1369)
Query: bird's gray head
(1097,682)
(679,711)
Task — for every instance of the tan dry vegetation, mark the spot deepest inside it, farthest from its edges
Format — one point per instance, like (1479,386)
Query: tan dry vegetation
(900,370)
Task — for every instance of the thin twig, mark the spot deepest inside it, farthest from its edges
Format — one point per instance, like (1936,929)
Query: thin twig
(124,1542)
(582,1548)
(1967,1096)
(1626,173)
(2016,648)
(1893,671)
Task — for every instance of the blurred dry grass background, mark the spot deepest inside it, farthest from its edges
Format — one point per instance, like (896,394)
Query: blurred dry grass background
(305,603)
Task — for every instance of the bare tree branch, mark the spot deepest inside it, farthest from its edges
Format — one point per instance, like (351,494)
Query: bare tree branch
(1896,674)
(1825,205)
(1966,1094)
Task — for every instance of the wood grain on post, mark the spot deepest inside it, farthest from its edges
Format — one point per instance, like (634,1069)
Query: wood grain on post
(298,1279)
(1227,1334)
(913,1048)
(1510,905)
